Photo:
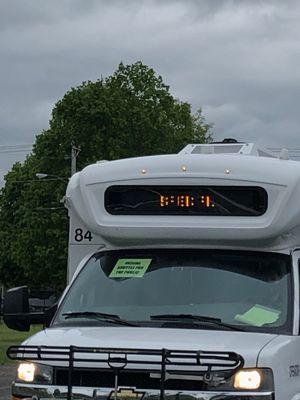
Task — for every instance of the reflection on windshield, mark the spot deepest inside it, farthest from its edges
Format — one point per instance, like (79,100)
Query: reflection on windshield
(246,289)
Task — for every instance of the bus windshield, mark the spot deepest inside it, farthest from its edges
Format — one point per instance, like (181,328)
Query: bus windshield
(168,287)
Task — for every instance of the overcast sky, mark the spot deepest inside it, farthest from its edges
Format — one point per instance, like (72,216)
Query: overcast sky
(237,59)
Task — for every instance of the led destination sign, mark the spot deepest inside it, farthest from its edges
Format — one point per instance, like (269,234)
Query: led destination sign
(186,200)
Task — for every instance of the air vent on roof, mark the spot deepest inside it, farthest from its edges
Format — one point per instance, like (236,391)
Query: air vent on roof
(230,147)
(227,140)
(218,149)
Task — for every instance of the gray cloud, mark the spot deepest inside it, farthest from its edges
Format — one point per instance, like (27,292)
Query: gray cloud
(237,59)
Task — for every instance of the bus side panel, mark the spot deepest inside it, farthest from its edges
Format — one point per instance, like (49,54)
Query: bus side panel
(81,243)
(283,355)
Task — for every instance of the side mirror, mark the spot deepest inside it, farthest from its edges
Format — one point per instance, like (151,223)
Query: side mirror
(16,311)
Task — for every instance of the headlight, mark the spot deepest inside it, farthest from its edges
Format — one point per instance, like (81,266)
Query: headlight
(260,379)
(248,380)
(34,373)
(26,372)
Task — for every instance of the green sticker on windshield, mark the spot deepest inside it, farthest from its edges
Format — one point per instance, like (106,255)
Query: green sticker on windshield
(258,316)
(130,268)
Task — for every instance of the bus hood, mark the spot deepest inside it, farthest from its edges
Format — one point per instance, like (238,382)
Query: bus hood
(248,345)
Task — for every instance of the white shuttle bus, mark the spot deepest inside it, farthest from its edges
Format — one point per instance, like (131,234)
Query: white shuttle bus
(183,283)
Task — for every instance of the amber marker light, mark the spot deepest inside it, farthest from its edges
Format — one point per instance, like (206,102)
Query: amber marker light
(26,372)
(247,380)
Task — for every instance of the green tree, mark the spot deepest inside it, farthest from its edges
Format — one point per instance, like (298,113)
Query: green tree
(130,113)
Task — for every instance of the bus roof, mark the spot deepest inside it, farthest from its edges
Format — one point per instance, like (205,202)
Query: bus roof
(276,227)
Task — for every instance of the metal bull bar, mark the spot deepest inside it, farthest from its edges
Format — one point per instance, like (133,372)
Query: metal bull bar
(163,361)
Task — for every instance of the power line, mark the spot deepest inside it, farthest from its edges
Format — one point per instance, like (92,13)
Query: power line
(280,148)
(15,151)
(15,148)
(12,146)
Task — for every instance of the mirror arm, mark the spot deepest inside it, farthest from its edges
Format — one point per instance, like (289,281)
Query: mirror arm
(49,314)
(39,317)
(33,317)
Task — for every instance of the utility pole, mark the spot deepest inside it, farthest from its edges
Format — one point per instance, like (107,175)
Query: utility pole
(74,153)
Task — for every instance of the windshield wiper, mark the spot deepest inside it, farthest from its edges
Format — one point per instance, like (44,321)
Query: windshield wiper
(111,318)
(198,318)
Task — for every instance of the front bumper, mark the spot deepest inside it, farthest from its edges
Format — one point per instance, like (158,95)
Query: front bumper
(40,392)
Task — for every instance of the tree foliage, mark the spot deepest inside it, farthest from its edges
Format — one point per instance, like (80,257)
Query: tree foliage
(130,113)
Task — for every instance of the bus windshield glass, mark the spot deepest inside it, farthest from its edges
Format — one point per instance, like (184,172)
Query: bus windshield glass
(251,291)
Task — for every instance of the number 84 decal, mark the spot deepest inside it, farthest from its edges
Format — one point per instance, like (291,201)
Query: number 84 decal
(81,234)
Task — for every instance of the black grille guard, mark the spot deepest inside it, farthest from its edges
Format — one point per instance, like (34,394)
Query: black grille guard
(163,361)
